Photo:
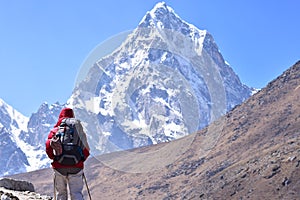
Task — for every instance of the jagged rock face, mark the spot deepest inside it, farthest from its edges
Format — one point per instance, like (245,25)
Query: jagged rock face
(12,158)
(6,120)
(167,80)
(40,124)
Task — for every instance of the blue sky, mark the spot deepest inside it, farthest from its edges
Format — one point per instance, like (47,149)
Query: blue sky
(44,43)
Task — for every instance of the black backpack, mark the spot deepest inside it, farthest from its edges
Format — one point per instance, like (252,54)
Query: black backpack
(71,135)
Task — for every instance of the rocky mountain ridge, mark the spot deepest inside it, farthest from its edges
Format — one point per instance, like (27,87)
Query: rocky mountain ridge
(12,158)
(22,146)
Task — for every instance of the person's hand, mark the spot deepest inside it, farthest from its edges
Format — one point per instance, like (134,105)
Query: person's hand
(56,146)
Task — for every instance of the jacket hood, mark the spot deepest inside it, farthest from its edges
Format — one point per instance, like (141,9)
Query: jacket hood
(64,113)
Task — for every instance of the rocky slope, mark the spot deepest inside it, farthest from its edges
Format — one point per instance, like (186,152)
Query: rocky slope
(251,153)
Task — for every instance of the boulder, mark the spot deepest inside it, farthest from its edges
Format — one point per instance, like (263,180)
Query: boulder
(17,185)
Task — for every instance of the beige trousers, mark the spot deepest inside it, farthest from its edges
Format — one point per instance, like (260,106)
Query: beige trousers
(72,181)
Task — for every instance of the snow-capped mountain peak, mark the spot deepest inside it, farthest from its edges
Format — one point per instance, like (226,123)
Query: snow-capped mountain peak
(167,79)
(12,124)
(163,20)
(22,139)
(161,8)
(16,119)
(161,16)
(164,17)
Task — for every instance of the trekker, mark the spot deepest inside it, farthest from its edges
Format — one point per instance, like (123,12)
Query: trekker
(68,169)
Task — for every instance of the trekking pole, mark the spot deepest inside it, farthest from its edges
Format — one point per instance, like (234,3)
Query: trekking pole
(87,187)
(54,192)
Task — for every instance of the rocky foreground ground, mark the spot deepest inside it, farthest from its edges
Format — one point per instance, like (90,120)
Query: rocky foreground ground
(11,189)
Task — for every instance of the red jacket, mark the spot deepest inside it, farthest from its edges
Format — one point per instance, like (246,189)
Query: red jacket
(65,113)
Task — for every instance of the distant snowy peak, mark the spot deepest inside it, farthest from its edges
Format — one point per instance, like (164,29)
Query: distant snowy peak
(12,124)
(163,16)
(22,139)
(163,19)
(11,119)
(161,11)
(163,6)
